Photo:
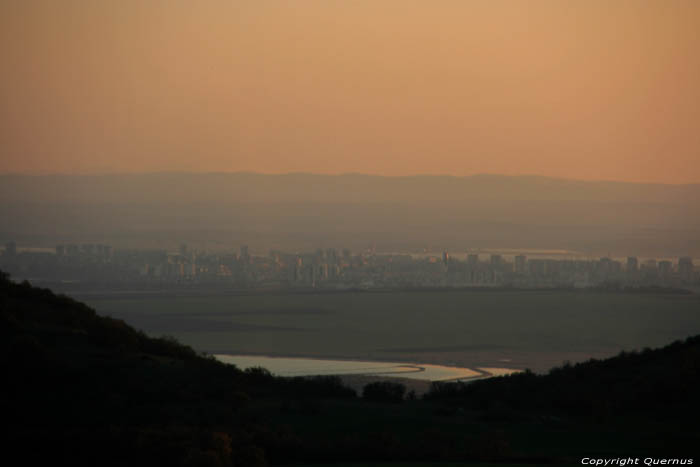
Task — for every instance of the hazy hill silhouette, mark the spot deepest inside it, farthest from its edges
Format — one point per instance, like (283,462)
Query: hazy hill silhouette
(296,211)
(161,187)
(91,390)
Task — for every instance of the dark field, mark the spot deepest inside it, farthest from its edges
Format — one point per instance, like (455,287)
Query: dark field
(516,329)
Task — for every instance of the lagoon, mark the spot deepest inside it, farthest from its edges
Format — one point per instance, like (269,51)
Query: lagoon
(290,366)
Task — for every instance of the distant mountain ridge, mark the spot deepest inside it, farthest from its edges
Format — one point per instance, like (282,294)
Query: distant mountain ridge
(344,188)
(307,211)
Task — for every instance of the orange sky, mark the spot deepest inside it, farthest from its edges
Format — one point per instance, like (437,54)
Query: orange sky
(589,89)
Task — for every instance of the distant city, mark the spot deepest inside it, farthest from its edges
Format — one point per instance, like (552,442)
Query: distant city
(104,266)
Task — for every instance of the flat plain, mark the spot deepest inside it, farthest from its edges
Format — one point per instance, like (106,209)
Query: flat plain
(513,329)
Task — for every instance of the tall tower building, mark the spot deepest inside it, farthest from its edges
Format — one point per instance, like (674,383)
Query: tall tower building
(665,268)
(686,268)
(244,256)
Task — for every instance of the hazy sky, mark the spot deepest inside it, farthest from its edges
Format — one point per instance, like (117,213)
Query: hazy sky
(579,89)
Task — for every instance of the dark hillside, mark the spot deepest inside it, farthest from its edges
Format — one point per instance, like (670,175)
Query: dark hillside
(661,382)
(80,389)
(93,389)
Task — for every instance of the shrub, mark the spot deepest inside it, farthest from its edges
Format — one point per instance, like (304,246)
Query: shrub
(384,391)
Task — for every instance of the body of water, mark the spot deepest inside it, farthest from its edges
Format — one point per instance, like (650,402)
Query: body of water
(290,366)
(461,328)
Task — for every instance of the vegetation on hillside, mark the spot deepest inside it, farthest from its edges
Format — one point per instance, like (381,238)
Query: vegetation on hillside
(92,390)
(662,382)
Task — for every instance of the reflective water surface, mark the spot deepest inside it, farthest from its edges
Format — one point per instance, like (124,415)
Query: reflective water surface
(290,366)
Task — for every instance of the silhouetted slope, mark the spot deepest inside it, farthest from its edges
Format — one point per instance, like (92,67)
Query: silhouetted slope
(88,390)
(93,390)
(664,381)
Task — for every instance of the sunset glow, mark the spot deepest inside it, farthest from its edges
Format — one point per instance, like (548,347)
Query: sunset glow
(585,90)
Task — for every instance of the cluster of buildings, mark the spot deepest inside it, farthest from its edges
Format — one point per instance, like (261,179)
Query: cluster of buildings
(330,268)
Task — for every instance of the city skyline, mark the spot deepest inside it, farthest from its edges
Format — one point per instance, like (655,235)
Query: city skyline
(102,266)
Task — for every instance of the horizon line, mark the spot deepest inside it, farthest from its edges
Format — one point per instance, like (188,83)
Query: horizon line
(337,174)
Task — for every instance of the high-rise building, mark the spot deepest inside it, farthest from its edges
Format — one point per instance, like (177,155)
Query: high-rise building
(331,256)
(322,273)
(520,264)
(244,257)
(685,268)
(632,264)
(298,270)
(665,268)
(320,255)
(537,267)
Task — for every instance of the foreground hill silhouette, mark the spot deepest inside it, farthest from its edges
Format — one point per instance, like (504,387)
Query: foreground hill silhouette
(91,390)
